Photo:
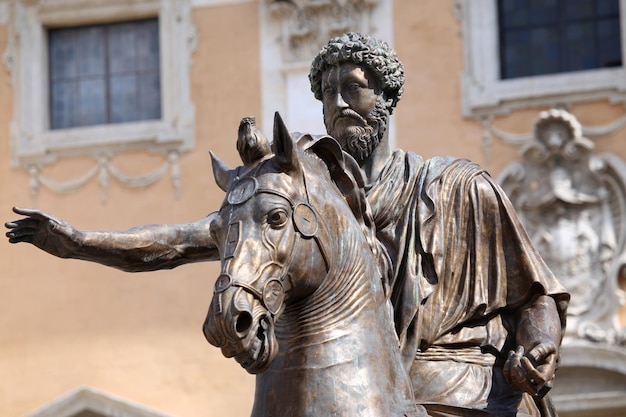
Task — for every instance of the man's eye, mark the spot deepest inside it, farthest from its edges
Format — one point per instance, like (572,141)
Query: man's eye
(354,86)
(328,91)
(277,217)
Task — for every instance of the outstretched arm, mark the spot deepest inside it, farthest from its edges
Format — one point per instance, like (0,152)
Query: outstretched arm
(531,367)
(142,248)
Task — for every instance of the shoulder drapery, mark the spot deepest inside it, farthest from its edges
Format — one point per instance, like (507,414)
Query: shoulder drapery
(459,252)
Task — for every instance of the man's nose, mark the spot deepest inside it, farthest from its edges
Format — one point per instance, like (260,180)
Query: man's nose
(340,102)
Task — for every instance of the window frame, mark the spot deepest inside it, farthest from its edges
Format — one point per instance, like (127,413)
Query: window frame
(66,83)
(33,141)
(484,93)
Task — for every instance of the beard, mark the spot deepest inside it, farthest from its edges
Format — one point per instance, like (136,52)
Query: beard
(360,141)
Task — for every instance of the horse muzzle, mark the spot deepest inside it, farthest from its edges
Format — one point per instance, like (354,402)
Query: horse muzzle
(242,328)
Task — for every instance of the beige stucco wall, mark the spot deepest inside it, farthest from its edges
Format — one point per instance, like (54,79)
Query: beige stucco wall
(70,323)
(138,336)
(428,117)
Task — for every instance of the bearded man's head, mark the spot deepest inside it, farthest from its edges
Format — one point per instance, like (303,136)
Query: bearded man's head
(379,60)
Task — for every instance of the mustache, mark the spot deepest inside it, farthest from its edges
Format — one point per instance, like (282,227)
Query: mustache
(350,114)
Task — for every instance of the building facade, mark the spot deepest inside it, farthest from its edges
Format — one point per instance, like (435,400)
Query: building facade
(108,110)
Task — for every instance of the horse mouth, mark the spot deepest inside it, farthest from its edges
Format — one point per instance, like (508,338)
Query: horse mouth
(262,351)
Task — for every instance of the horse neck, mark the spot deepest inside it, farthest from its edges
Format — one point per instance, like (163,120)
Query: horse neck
(350,297)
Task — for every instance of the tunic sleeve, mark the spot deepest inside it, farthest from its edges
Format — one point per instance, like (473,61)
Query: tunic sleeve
(482,258)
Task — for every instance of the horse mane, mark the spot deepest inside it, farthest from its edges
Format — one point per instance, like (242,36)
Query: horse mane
(345,173)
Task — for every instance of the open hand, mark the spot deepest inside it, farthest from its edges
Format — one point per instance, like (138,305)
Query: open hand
(532,372)
(43,230)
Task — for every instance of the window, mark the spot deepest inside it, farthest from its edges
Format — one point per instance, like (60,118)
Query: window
(104,74)
(550,36)
(78,92)
(529,53)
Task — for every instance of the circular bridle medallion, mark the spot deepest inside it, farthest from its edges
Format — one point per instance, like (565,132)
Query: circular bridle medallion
(223,282)
(305,220)
(242,191)
(273,295)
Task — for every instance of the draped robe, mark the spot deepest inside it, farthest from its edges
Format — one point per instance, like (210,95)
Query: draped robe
(462,267)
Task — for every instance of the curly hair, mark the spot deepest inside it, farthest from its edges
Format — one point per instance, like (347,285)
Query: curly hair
(375,55)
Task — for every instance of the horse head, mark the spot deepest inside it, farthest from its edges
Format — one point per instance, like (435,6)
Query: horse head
(273,237)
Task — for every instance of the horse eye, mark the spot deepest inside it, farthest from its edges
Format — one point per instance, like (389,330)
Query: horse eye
(277,217)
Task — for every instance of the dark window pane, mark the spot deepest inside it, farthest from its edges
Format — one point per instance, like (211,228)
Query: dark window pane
(123,98)
(579,9)
(545,52)
(609,52)
(544,12)
(149,94)
(122,56)
(514,13)
(554,36)
(63,104)
(607,8)
(63,59)
(580,50)
(93,108)
(105,74)
(91,54)
(147,37)
(516,63)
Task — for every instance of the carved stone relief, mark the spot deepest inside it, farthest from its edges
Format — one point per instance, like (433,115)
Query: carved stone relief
(573,205)
(308,24)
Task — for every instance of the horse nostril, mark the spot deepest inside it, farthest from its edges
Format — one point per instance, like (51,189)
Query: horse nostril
(244,322)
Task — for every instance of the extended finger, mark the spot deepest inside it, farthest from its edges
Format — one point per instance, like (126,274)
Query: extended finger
(21,231)
(26,222)
(23,239)
(37,214)
(20,237)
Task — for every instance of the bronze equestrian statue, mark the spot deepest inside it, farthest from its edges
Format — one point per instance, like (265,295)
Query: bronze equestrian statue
(301,299)
(477,313)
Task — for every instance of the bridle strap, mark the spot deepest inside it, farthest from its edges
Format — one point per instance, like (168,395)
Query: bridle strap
(273,293)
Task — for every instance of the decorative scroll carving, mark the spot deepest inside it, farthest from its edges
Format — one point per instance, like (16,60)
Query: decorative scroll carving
(490,131)
(573,205)
(308,24)
(105,169)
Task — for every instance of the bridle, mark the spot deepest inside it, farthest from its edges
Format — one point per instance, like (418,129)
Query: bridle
(306,221)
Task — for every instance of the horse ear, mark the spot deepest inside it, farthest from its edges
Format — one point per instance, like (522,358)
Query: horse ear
(223,173)
(283,145)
